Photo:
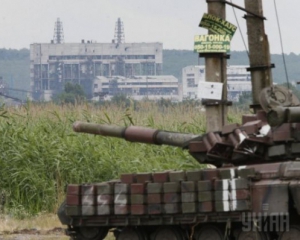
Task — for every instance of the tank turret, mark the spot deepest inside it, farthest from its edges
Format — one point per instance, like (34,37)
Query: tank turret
(270,135)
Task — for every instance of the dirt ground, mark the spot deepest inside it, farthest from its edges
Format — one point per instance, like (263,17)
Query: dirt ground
(54,234)
(32,234)
(41,227)
(33,237)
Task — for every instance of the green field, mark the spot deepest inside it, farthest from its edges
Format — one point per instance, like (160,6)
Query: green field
(40,153)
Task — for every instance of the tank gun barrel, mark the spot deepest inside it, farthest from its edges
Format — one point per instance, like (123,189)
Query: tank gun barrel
(135,133)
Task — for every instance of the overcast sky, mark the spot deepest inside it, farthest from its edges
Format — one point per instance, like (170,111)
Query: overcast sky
(172,22)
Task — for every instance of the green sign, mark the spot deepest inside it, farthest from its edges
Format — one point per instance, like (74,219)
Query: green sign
(217,25)
(212,43)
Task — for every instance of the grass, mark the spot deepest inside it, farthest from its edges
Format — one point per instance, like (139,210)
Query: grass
(40,154)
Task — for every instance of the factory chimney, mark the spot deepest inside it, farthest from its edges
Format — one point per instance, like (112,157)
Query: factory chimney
(119,32)
(58,32)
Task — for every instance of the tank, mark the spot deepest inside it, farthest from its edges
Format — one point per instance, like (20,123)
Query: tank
(253,193)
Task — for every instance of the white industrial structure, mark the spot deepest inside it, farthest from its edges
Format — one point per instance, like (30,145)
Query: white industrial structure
(56,63)
(52,65)
(138,87)
(238,81)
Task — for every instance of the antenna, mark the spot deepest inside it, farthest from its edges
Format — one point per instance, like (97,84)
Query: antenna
(119,32)
(58,32)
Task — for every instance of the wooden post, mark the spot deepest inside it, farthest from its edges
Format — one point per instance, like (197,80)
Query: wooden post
(215,71)
(259,52)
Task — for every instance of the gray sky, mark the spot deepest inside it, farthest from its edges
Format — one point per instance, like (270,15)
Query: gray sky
(172,22)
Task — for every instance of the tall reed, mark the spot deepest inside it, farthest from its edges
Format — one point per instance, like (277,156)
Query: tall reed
(40,154)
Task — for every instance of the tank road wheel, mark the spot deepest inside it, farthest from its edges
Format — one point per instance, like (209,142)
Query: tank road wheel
(131,234)
(91,233)
(252,235)
(209,233)
(168,233)
(292,234)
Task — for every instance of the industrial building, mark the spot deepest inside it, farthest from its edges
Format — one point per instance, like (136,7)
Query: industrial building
(238,81)
(138,87)
(55,63)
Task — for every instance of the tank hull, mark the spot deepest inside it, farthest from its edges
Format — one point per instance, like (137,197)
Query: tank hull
(227,201)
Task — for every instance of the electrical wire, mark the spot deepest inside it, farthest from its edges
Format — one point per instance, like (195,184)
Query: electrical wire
(237,22)
(282,52)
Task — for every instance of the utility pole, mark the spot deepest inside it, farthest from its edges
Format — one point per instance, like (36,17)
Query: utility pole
(215,71)
(259,52)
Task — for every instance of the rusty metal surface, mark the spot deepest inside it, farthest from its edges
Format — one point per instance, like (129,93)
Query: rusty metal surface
(135,133)
(140,134)
(174,139)
(294,188)
(283,133)
(229,128)
(262,188)
(177,196)
(253,142)
(252,127)
(267,171)
(290,170)
(270,196)
(197,146)
(248,118)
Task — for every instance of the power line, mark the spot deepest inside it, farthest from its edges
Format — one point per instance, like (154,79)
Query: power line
(237,22)
(282,52)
